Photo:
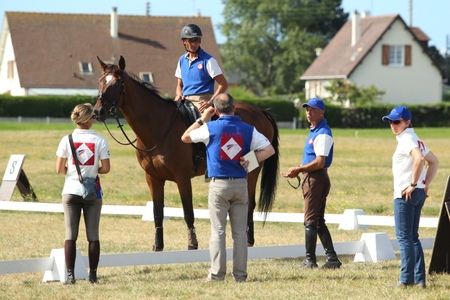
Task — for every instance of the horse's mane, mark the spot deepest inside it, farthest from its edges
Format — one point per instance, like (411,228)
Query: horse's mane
(145,84)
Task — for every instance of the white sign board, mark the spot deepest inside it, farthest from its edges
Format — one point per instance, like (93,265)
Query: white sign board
(14,166)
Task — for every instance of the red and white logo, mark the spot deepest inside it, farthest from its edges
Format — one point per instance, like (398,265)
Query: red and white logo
(231,147)
(85,153)
(200,66)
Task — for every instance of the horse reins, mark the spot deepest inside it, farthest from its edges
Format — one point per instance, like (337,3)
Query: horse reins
(112,111)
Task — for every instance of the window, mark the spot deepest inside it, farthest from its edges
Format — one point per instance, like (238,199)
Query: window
(10,70)
(396,55)
(86,67)
(146,76)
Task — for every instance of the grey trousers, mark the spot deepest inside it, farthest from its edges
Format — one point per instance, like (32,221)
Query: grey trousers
(73,205)
(228,197)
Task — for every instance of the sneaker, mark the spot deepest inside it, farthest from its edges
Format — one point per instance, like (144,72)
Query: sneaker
(402,285)
(333,264)
(307,264)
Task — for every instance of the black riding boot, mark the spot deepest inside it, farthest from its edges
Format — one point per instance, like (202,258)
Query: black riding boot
(94,257)
(310,245)
(332,261)
(70,252)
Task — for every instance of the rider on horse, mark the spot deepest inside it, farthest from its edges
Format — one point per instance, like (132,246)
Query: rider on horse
(197,71)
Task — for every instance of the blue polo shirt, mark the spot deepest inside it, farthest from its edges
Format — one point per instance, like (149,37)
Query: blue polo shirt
(319,143)
(195,76)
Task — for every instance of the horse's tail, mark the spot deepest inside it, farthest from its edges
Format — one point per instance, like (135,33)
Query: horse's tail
(270,172)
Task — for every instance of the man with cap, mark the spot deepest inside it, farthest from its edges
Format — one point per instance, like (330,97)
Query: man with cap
(413,167)
(197,71)
(317,158)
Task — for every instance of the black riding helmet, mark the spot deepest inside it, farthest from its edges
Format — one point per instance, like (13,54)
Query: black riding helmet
(190,31)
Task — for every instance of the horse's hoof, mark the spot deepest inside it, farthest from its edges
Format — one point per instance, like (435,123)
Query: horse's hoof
(155,249)
(193,247)
(249,244)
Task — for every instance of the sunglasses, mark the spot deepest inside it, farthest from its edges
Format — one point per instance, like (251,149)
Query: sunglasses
(194,40)
(396,122)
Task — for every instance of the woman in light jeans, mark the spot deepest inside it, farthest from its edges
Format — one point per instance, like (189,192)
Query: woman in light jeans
(413,167)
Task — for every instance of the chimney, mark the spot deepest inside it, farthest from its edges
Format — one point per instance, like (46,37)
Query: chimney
(114,23)
(356,27)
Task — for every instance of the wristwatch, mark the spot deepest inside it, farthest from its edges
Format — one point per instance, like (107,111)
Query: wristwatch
(413,184)
(199,121)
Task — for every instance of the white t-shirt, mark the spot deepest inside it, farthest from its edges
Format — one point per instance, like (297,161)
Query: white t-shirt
(91,148)
(403,161)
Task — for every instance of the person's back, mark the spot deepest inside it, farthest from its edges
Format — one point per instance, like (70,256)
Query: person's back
(227,140)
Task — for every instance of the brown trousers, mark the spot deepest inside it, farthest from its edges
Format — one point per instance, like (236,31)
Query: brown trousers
(316,186)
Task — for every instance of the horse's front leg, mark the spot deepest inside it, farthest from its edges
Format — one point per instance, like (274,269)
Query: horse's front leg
(185,189)
(157,193)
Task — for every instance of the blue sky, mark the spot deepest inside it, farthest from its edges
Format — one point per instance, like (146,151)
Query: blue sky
(432,16)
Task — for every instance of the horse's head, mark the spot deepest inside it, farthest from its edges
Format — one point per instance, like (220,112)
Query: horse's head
(110,89)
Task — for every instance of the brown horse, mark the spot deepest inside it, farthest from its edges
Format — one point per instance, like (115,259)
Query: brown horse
(158,126)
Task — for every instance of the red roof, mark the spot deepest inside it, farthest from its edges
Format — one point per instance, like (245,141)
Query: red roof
(49,47)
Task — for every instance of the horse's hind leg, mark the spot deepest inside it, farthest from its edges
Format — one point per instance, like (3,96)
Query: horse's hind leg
(185,189)
(157,193)
(252,180)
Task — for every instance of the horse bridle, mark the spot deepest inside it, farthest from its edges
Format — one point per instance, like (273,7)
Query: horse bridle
(112,102)
(113,111)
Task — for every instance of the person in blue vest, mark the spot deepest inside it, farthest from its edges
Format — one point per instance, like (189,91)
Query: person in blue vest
(317,158)
(197,71)
(227,140)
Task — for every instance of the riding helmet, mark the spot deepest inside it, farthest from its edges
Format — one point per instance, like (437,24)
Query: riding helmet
(190,31)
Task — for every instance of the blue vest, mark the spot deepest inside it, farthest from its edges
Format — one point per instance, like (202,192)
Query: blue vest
(196,79)
(308,152)
(229,139)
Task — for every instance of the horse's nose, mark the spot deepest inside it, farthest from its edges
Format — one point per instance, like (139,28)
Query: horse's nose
(100,114)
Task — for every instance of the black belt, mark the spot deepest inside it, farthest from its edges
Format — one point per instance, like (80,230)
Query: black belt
(227,178)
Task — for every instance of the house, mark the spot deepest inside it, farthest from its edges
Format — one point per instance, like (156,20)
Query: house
(56,54)
(381,51)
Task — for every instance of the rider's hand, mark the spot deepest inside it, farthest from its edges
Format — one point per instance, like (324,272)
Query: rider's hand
(204,105)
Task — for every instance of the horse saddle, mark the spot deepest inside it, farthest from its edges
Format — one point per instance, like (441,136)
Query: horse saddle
(189,114)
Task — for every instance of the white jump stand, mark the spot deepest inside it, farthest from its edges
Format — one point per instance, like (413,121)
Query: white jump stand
(377,247)
(349,219)
(59,272)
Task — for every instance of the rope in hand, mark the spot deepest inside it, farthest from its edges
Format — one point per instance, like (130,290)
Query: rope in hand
(298,182)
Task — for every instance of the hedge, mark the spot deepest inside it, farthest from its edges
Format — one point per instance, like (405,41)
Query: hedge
(436,115)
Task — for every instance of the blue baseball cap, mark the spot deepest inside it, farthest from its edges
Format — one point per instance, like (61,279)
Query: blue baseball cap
(398,113)
(315,103)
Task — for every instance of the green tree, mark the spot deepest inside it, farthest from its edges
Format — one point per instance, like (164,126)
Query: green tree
(271,43)
(347,93)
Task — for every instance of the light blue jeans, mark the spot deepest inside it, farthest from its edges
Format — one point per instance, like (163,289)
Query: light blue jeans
(407,217)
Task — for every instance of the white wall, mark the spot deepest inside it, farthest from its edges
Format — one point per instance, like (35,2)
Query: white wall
(11,86)
(419,83)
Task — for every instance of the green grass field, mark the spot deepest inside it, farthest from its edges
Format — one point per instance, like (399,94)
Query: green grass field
(361,178)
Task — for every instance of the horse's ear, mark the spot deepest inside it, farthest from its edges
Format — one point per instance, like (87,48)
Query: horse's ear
(104,66)
(122,63)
